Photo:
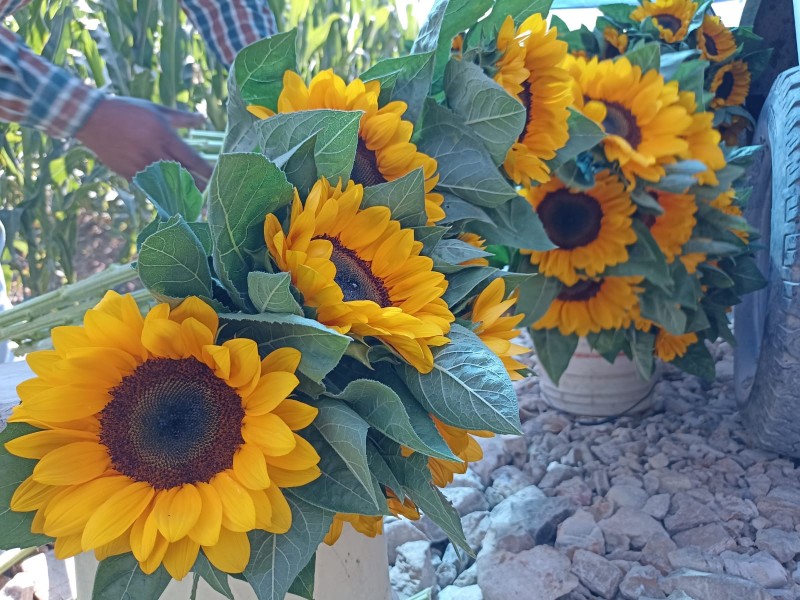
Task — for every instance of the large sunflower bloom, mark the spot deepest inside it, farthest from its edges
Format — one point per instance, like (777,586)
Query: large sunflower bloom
(156,441)
(497,330)
(703,140)
(592,228)
(462,443)
(731,84)
(592,305)
(530,70)
(715,41)
(384,151)
(671,17)
(362,272)
(640,114)
(669,346)
(673,228)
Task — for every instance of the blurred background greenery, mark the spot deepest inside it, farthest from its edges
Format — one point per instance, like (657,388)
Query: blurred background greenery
(66,215)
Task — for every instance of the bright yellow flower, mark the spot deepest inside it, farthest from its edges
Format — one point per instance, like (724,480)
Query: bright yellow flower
(362,271)
(669,346)
(715,41)
(592,228)
(496,330)
(726,203)
(640,113)
(157,441)
(384,151)
(692,260)
(592,305)
(673,228)
(671,17)
(462,443)
(703,140)
(731,84)
(530,70)
(473,239)
(616,40)
(371,526)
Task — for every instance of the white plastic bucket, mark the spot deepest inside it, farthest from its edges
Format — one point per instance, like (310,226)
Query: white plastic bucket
(592,386)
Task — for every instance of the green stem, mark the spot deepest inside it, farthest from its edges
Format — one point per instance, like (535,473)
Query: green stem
(17,558)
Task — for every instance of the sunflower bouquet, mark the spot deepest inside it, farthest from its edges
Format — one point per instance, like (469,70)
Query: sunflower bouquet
(327,338)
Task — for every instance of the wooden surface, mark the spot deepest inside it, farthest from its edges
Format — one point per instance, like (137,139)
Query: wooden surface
(11,374)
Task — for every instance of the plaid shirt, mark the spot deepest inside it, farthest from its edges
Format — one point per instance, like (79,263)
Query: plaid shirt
(38,94)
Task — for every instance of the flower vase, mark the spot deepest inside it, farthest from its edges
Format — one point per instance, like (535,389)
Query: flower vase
(591,386)
(355,567)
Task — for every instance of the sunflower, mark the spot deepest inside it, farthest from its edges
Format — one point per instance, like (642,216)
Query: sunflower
(362,272)
(640,114)
(692,260)
(496,330)
(176,443)
(617,42)
(371,526)
(462,443)
(703,140)
(592,305)
(715,41)
(592,228)
(672,228)
(384,152)
(473,239)
(457,46)
(669,346)
(731,84)
(726,203)
(671,17)
(529,69)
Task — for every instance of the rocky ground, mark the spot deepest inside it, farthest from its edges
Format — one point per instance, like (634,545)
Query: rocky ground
(677,503)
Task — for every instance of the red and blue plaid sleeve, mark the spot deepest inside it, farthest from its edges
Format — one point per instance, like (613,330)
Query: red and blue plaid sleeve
(227,27)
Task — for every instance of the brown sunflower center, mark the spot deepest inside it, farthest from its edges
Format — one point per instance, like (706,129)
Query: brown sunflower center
(365,167)
(581,291)
(670,22)
(621,121)
(172,422)
(355,277)
(711,45)
(726,86)
(525,97)
(570,219)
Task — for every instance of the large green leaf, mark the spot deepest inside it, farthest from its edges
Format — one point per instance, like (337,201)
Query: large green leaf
(515,224)
(536,294)
(336,134)
(609,343)
(450,253)
(553,350)
(259,68)
(243,189)
(171,189)
(662,310)
(466,168)
(277,560)
(464,282)
(346,432)
(300,167)
(303,584)
(747,276)
(321,347)
(405,78)
(120,577)
(645,258)
(15,527)
(697,361)
(397,415)
(404,197)
(468,386)
(213,576)
(492,114)
(647,56)
(642,348)
(519,10)
(457,210)
(271,292)
(382,472)
(172,262)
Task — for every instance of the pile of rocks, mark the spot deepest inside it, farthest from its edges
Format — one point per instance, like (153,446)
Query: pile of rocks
(675,504)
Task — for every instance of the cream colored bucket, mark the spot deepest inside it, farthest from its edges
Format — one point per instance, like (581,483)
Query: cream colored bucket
(592,386)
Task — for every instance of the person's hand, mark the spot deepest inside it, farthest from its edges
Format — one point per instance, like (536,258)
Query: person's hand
(128,134)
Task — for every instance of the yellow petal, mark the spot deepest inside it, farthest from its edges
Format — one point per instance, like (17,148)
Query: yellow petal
(286,478)
(272,389)
(121,545)
(195,308)
(156,556)
(206,530)
(180,557)
(238,511)
(304,456)
(219,359)
(245,362)
(282,359)
(177,511)
(250,467)
(297,415)
(117,514)
(67,546)
(231,553)
(68,512)
(143,535)
(72,464)
(162,337)
(281,512)
(269,432)
(36,445)
(263,509)
(31,495)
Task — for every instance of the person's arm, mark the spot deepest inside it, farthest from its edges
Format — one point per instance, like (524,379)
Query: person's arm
(227,26)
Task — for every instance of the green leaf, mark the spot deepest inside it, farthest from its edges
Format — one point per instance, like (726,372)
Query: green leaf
(519,10)
(346,432)
(271,292)
(404,197)
(277,560)
(382,472)
(747,276)
(671,62)
(690,76)
(396,413)
(663,311)
(466,168)
(303,584)
(584,134)
(646,56)
(173,263)
(300,167)
(464,282)
(642,348)
(515,224)
(536,295)
(697,361)
(609,343)
(258,69)
(430,237)
(243,190)
(120,577)
(468,386)
(644,259)
(336,134)
(321,347)
(553,350)
(171,189)
(621,13)
(337,489)
(646,201)
(408,79)
(213,576)
(710,246)
(457,210)
(15,527)
(495,117)
(455,252)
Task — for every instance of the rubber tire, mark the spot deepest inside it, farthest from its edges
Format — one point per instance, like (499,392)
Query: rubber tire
(767,375)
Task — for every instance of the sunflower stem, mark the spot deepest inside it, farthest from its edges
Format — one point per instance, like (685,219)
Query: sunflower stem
(16,558)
